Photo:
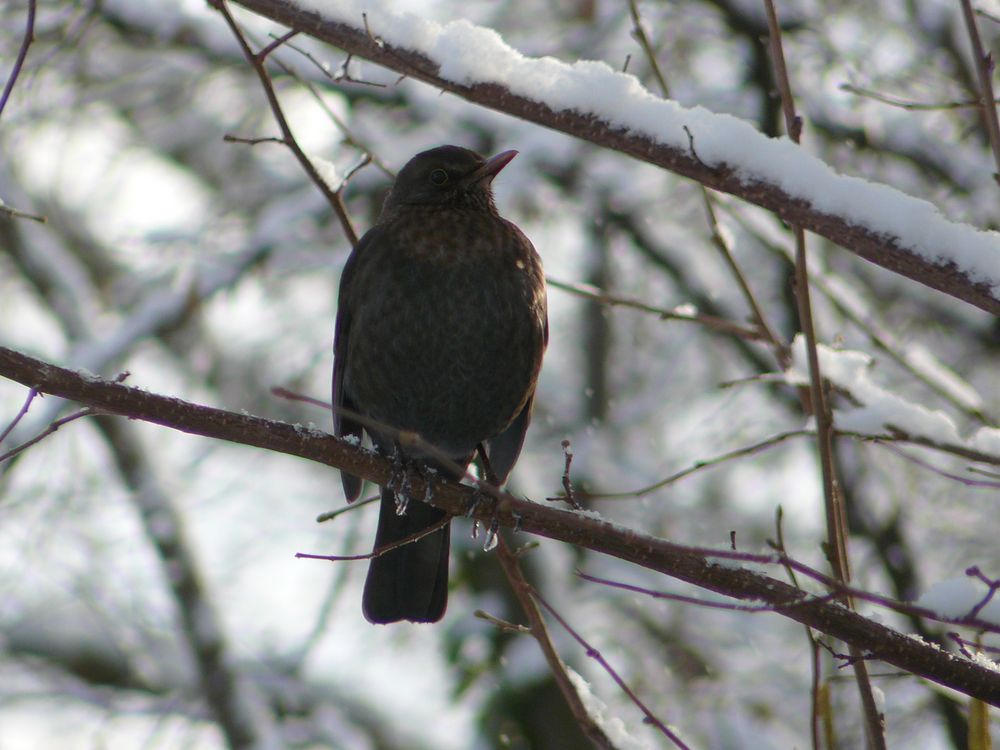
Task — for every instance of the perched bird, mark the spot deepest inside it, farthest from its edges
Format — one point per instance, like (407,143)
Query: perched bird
(441,328)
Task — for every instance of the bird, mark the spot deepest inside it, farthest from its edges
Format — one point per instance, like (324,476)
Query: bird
(441,328)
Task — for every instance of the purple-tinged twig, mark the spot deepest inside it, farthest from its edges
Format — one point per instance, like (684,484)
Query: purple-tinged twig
(807,599)
(593,653)
(22,54)
(379,551)
(992,583)
(540,632)
(20,414)
(53,426)
(986,484)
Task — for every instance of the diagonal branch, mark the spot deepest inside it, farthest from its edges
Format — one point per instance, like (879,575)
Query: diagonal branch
(699,567)
(932,263)
(540,632)
(258,61)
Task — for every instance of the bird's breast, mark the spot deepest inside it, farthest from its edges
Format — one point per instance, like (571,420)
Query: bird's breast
(447,330)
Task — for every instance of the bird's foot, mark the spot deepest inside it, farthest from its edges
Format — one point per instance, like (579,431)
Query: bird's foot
(481,498)
(399,480)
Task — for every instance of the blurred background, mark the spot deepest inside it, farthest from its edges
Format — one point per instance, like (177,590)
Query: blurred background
(141,569)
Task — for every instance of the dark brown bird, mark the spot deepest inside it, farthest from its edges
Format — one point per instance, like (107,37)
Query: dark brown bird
(441,327)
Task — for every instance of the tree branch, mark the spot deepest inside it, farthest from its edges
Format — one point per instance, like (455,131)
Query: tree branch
(699,567)
(925,265)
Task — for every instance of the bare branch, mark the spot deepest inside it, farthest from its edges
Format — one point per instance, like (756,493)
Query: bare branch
(896,101)
(680,313)
(694,565)
(593,653)
(538,630)
(53,426)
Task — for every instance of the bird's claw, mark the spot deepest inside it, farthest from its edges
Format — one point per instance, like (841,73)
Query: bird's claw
(479,498)
(399,481)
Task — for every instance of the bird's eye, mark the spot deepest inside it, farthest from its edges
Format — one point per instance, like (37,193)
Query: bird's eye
(439,177)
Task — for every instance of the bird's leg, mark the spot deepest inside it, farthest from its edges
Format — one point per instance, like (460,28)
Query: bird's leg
(399,479)
(479,497)
(430,476)
(400,484)
(487,468)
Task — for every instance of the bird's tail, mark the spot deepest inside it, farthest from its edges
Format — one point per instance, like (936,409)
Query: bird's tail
(409,582)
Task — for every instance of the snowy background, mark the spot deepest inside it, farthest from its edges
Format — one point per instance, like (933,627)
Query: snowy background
(209,271)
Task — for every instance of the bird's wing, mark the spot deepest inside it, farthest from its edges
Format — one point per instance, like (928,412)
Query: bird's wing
(343,425)
(506,447)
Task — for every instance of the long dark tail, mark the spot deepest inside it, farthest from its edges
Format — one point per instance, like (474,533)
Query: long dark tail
(409,582)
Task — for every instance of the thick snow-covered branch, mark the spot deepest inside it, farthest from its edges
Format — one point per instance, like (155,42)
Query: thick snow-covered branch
(591,101)
(692,565)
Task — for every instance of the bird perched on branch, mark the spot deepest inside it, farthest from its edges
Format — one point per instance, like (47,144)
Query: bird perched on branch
(441,328)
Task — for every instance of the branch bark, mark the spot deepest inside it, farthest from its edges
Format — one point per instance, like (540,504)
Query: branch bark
(879,248)
(694,566)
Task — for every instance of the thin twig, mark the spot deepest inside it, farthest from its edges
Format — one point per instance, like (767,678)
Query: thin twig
(53,426)
(698,466)
(987,15)
(907,104)
(18,214)
(992,584)
(836,518)
(983,483)
(32,393)
(567,482)
(341,75)
(807,599)
(350,138)
(781,350)
(594,654)
(718,240)
(984,70)
(540,632)
(22,54)
(379,551)
(293,396)
(640,35)
(680,313)
(257,61)
(229,138)
(814,649)
(331,514)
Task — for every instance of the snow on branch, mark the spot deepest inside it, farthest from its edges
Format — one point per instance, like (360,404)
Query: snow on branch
(720,571)
(878,411)
(591,101)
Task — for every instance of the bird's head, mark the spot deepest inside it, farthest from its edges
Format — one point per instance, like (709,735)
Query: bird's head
(447,176)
